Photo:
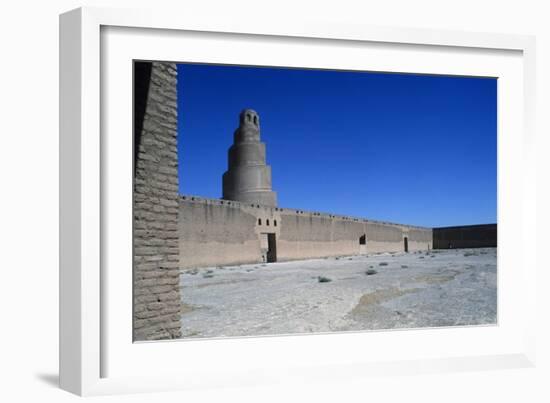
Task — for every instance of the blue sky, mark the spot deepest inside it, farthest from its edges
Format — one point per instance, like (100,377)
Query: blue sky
(404,148)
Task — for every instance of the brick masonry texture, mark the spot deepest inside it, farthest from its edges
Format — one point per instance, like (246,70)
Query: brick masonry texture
(156,247)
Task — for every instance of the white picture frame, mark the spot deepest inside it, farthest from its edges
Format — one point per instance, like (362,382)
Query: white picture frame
(97,357)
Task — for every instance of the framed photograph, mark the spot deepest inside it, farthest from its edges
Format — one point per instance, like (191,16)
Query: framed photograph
(246,203)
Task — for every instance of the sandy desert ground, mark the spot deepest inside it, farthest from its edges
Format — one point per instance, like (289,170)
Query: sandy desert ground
(383,291)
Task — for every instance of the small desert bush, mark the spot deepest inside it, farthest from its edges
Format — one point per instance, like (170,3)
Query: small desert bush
(370,272)
(383,264)
(323,279)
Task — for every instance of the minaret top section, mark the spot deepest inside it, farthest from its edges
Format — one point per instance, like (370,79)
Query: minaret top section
(249,127)
(250,117)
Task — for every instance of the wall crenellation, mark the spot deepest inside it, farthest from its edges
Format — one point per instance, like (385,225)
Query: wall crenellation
(236,204)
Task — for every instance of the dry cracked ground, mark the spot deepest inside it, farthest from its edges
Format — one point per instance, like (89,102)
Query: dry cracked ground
(382,291)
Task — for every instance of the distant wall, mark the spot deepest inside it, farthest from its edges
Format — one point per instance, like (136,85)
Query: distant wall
(306,235)
(156,253)
(468,236)
(221,232)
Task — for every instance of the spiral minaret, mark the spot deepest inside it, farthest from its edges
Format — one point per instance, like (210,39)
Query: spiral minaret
(248,178)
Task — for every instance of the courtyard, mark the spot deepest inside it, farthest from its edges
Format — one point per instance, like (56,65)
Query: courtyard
(456,287)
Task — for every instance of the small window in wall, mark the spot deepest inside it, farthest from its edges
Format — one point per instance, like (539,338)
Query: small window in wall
(363,240)
(275,222)
(259,221)
(267,222)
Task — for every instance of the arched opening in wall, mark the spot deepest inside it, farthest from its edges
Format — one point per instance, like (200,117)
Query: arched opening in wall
(363,244)
(271,248)
(259,221)
(268,246)
(406,244)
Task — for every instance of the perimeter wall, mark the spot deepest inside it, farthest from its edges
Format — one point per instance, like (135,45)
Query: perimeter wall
(220,232)
(466,236)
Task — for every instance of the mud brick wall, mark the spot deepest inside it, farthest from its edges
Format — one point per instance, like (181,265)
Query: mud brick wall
(466,236)
(215,232)
(156,251)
